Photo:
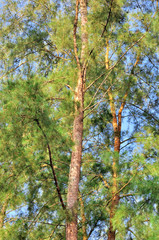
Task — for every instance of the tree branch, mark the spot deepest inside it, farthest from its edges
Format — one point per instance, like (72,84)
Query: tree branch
(105,182)
(51,165)
(121,189)
(75,37)
(145,112)
(108,18)
(94,81)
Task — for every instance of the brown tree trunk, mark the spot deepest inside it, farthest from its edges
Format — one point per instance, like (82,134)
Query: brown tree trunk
(3,211)
(115,196)
(74,175)
(83,218)
(116,122)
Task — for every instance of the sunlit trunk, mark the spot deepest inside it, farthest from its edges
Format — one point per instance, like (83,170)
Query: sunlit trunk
(74,175)
(115,197)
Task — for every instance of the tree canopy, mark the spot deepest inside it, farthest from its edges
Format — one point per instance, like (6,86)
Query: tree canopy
(79,120)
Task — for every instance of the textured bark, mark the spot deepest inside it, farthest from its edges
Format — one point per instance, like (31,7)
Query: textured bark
(74,175)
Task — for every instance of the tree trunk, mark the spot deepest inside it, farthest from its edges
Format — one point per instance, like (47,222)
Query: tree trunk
(116,122)
(3,211)
(74,175)
(115,197)
(83,218)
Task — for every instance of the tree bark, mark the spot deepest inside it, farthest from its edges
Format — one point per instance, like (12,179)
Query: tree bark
(115,197)
(74,175)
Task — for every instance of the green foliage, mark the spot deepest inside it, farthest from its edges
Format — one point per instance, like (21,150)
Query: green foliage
(39,76)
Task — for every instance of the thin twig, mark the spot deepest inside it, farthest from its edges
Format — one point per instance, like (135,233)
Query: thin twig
(13,69)
(95,81)
(95,105)
(145,112)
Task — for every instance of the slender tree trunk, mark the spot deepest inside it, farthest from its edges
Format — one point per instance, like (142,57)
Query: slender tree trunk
(117,134)
(3,211)
(74,175)
(83,218)
(116,122)
(115,197)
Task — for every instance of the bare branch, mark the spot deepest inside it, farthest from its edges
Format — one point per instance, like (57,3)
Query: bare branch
(51,165)
(108,18)
(105,182)
(13,69)
(70,88)
(96,104)
(134,234)
(145,112)
(95,81)
(128,195)
(55,98)
(128,139)
(75,37)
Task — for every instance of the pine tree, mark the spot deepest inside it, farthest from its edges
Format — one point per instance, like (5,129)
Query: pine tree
(79,120)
